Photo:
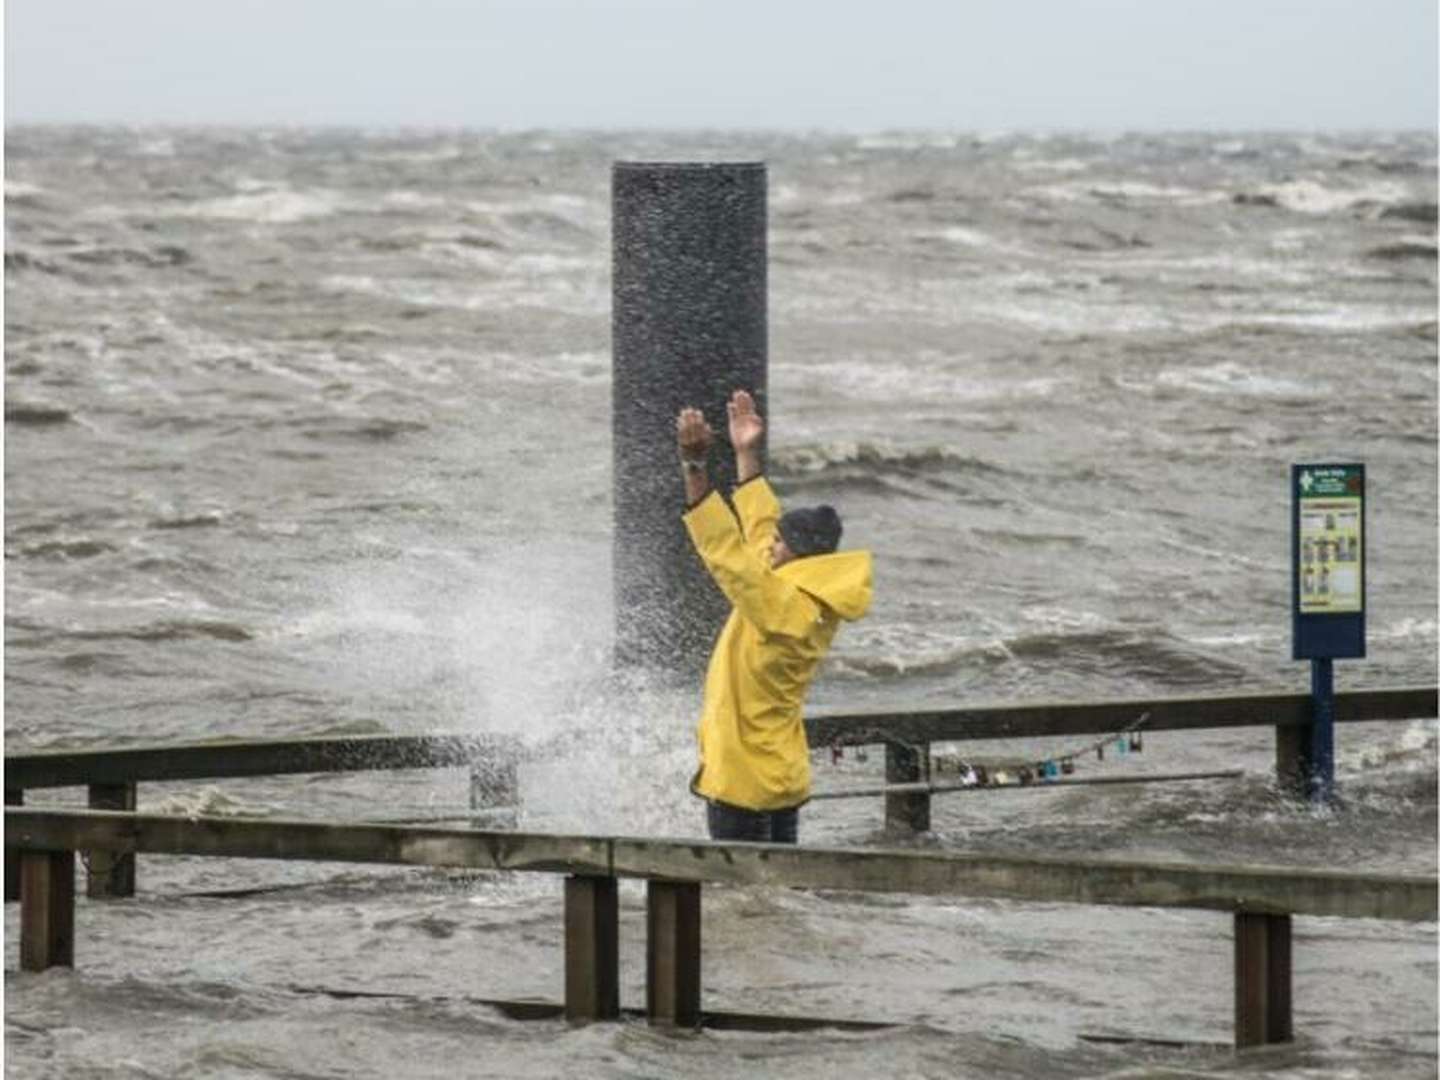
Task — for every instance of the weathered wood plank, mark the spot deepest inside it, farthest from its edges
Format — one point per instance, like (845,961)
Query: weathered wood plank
(13,797)
(1280,890)
(907,811)
(321,841)
(1290,760)
(672,953)
(229,759)
(1263,979)
(1264,889)
(1009,721)
(47,909)
(592,949)
(110,873)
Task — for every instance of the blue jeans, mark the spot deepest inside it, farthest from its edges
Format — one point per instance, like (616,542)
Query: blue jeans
(764,826)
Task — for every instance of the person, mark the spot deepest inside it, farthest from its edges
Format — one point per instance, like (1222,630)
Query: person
(790,590)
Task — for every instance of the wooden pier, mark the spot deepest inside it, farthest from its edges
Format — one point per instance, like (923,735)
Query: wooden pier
(41,845)
(112,776)
(1261,900)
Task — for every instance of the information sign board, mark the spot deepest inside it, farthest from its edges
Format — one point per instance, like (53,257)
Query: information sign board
(1328,560)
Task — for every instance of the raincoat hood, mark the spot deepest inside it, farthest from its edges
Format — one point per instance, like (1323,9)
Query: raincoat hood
(842,581)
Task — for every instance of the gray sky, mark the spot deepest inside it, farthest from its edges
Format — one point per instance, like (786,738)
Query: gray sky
(962,65)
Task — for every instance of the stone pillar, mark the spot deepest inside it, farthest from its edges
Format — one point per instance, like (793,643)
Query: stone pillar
(688,327)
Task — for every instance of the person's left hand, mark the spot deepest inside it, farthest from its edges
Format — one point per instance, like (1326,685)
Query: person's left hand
(693,435)
(746,427)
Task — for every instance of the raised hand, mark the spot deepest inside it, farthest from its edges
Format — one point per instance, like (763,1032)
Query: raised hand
(693,435)
(747,430)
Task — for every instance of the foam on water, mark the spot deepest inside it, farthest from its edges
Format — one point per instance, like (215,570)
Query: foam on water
(1310,196)
(1125,191)
(1229,377)
(274,207)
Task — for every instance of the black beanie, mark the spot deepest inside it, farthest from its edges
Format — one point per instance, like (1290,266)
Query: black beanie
(811,530)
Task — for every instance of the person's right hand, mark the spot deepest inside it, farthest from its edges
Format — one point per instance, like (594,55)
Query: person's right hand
(746,428)
(692,435)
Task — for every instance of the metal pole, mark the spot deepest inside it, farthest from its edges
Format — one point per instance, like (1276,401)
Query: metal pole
(689,327)
(1321,758)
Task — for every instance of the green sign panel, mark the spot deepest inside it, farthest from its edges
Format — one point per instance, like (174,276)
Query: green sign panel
(1331,542)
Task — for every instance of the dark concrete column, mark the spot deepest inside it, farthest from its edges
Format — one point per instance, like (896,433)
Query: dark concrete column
(688,327)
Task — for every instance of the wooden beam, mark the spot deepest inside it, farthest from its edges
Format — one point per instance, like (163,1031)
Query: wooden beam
(1290,761)
(1009,721)
(907,812)
(1262,889)
(228,759)
(672,953)
(110,874)
(1263,980)
(355,753)
(320,841)
(47,909)
(1037,879)
(592,949)
(13,797)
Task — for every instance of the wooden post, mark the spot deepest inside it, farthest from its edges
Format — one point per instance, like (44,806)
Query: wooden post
(110,873)
(47,909)
(907,812)
(672,953)
(494,781)
(1263,1010)
(1290,758)
(592,949)
(13,797)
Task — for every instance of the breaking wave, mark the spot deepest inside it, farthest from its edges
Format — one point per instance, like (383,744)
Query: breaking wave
(1153,657)
(798,461)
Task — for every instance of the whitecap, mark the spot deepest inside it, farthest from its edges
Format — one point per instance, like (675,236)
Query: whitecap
(277,207)
(19,189)
(927,378)
(1057,165)
(1311,197)
(907,140)
(1230,377)
(1407,629)
(1125,191)
(958,234)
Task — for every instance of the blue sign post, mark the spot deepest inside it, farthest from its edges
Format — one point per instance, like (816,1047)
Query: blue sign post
(1327,542)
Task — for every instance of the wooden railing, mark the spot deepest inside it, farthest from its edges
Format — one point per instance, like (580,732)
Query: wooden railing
(112,776)
(908,735)
(1262,900)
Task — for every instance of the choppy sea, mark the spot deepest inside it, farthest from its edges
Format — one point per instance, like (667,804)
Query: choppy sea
(307,432)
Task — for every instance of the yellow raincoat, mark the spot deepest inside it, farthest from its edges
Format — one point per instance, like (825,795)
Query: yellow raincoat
(753,752)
